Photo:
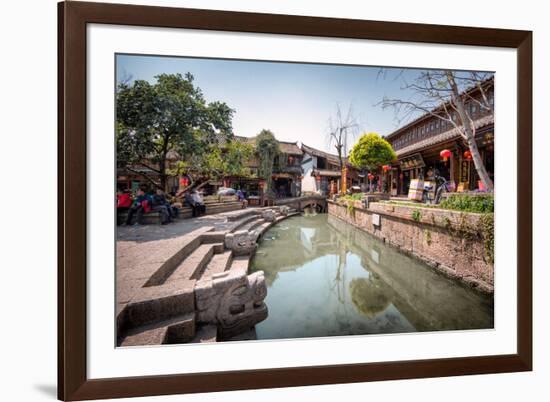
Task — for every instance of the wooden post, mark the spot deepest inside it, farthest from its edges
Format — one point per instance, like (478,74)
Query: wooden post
(344,180)
(452,169)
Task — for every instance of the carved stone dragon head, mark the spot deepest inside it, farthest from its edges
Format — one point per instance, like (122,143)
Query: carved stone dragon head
(232,301)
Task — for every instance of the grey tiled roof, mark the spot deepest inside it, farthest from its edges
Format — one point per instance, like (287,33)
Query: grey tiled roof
(316,152)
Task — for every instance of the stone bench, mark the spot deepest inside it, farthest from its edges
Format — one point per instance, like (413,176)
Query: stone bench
(154,217)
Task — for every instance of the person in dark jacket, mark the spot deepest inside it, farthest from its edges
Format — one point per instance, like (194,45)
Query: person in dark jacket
(161,204)
(142,203)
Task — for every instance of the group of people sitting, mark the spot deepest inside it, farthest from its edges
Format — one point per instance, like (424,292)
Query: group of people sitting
(145,202)
(148,201)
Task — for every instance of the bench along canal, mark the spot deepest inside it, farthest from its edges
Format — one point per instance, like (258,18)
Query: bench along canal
(325,277)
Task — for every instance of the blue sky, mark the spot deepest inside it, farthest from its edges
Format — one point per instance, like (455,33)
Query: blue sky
(294,101)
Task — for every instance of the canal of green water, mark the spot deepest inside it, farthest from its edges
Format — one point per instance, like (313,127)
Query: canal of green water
(325,277)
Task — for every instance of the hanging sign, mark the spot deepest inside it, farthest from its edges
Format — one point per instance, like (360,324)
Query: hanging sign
(412,162)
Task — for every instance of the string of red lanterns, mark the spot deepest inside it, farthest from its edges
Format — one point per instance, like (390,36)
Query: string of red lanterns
(446,154)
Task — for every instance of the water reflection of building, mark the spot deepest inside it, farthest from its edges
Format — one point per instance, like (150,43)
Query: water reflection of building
(346,282)
(426,299)
(292,247)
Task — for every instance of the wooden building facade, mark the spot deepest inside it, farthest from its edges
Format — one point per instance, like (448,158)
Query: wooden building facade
(322,172)
(287,171)
(418,146)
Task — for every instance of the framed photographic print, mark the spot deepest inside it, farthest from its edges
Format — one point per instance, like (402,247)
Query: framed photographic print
(253,200)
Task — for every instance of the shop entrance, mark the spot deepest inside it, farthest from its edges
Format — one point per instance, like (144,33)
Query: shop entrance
(283,187)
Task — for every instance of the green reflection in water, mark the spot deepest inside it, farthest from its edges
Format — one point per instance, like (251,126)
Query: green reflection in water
(326,278)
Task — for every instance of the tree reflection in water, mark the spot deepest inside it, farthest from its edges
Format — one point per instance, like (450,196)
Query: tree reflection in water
(369,298)
(327,278)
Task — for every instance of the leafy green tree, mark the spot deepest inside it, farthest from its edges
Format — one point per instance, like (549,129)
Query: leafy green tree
(235,157)
(170,115)
(216,161)
(267,149)
(371,152)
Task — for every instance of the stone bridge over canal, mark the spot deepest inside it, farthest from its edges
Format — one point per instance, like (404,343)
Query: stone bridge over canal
(316,202)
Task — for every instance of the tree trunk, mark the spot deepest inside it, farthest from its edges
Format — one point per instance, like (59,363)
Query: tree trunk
(163,180)
(162,171)
(469,130)
(341,166)
(478,163)
(144,176)
(162,161)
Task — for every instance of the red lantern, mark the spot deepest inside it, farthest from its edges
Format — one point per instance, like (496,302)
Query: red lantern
(184,181)
(468,155)
(445,154)
(385,168)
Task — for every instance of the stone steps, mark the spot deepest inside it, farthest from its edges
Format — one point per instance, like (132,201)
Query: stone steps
(213,237)
(216,207)
(236,215)
(159,303)
(239,264)
(174,262)
(150,271)
(194,264)
(174,296)
(165,310)
(251,225)
(261,229)
(240,224)
(177,330)
(219,263)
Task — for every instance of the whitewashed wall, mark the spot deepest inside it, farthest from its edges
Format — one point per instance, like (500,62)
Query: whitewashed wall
(308,182)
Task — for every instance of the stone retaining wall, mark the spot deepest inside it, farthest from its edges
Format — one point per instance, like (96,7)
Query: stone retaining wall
(449,241)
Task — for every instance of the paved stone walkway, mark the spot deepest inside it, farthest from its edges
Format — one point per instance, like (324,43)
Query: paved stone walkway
(148,233)
(140,248)
(158,267)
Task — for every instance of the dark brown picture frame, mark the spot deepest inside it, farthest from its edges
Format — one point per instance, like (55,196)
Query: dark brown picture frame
(73,383)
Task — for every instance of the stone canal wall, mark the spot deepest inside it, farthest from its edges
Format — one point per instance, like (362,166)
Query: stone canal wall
(455,243)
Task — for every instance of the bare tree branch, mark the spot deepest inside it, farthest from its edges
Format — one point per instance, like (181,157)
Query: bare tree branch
(340,129)
(444,94)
